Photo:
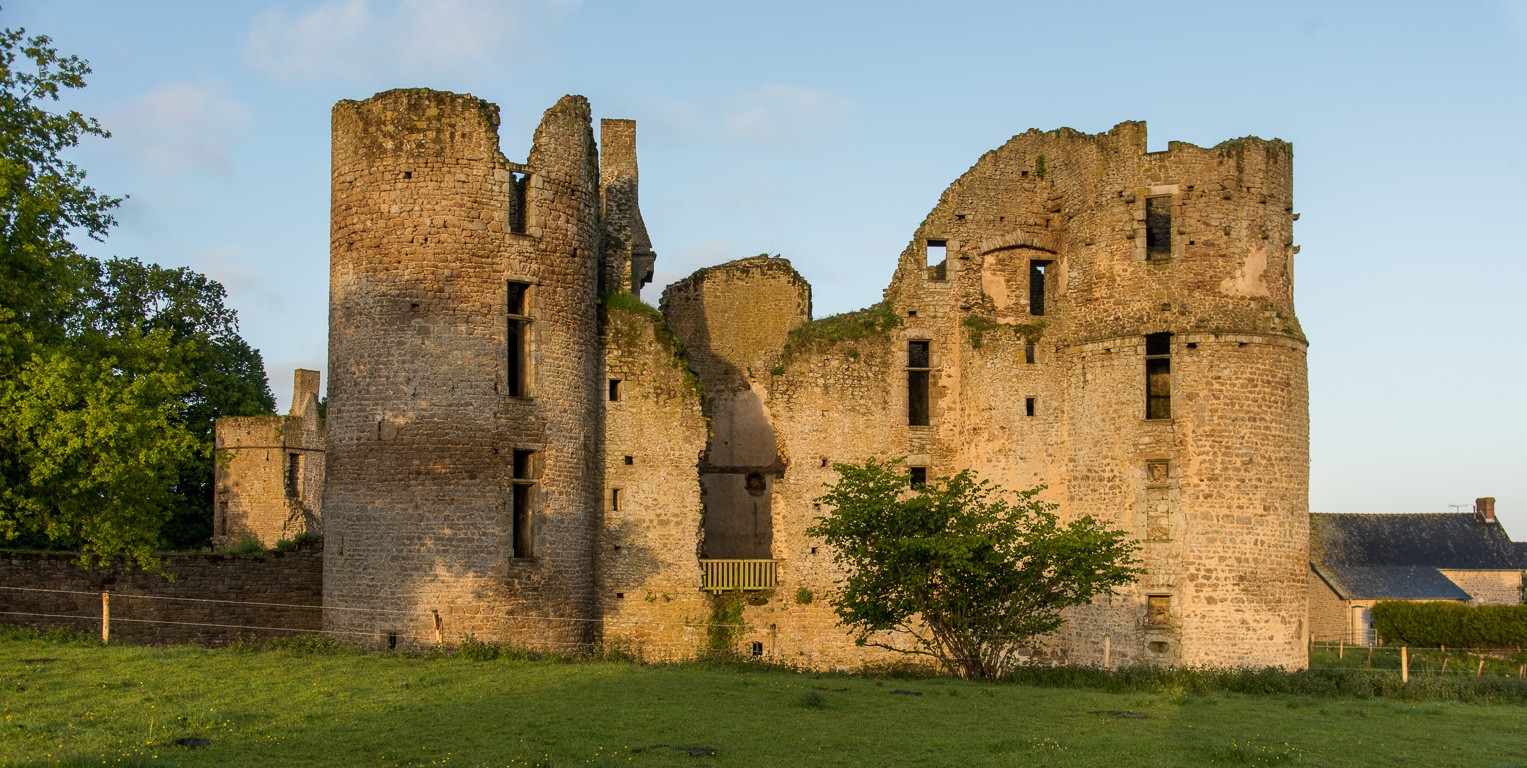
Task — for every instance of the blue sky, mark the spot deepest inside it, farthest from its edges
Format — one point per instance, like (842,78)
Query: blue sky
(825,131)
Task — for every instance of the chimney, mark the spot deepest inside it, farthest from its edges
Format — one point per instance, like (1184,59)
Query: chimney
(1484,510)
(304,383)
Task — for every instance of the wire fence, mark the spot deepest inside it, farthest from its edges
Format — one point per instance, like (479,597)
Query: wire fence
(558,634)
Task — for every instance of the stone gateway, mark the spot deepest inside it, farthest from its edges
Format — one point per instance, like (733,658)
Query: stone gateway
(519,449)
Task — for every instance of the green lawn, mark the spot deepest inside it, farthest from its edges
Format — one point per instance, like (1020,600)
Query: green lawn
(68,700)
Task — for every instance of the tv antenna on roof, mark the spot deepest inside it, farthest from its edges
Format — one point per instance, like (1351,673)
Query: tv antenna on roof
(1461,507)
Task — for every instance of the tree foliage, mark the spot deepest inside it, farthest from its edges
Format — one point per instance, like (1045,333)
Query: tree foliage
(1438,623)
(965,571)
(110,374)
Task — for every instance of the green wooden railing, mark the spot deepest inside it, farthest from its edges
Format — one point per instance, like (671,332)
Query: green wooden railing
(745,575)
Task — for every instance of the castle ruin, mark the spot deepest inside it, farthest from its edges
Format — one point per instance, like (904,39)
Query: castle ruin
(519,449)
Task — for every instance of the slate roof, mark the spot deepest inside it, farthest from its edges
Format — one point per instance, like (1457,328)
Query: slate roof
(1389,582)
(1457,540)
(1375,557)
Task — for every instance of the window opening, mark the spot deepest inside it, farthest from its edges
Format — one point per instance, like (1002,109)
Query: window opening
(1158,227)
(524,493)
(1158,610)
(614,390)
(630,460)
(517,356)
(1028,406)
(919,476)
(755,484)
(294,475)
(392,642)
(1028,354)
(1037,271)
(917,383)
(518,212)
(614,499)
(1158,376)
(757,648)
(937,259)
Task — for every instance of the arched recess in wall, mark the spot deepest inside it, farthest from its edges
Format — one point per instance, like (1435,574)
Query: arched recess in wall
(1019,280)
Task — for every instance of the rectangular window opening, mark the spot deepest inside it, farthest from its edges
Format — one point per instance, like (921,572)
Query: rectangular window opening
(614,499)
(919,476)
(630,460)
(523,494)
(1037,271)
(937,259)
(1028,406)
(518,212)
(614,390)
(1158,227)
(1158,610)
(917,383)
(1028,354)
(517,355)
(294,475)
(1158,376)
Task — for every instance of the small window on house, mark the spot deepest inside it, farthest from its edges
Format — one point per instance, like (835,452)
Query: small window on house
(519,212)
(919,476)
(757,648)
(1158,610)
(1158,227)
(1158,376)
(917,383)
(523,496)
(294,475)
(517,356)
(614,390)
(1037,272)
(1028,406)
(937,259)
(1028,354)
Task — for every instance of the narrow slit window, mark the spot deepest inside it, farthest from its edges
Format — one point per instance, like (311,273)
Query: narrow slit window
(917,383)
(1158,227)
(919,476)
(937,259)
(1028,354)
(1158,376)
(518,210)
(615,499)
(517,356)
(523,497)
(614,390)
(1037,272)
(1028,406)
(294,475)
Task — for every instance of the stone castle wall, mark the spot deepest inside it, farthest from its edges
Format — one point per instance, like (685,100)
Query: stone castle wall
(423,430)
(258,493)
(201,605)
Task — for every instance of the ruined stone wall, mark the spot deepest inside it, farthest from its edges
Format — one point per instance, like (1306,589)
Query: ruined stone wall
(200,606)
(255,490)
(648,566)
(626,248)
(1489,587)
(422,428)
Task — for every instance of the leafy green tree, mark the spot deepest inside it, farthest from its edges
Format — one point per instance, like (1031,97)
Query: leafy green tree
(959,569)
(110,375)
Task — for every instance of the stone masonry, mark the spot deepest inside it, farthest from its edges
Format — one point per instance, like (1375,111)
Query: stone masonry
(513,456)
(269,471)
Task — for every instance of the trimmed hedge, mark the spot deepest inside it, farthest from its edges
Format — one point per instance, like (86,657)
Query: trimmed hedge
(1429,625)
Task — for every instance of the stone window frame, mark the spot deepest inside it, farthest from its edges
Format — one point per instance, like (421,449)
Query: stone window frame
(532,307)
(1172,371)
(1173,611)
(522,193)
(904,355)
(1173,191)
(1170,486)
(532,481)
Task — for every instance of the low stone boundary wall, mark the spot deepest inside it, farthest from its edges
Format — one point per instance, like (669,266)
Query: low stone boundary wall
(213,600)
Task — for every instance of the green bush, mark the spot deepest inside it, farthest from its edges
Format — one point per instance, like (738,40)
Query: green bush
(249,545)
(1433,624)
(1321,683)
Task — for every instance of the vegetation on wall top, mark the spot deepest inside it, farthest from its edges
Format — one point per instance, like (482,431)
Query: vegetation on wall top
(625,302)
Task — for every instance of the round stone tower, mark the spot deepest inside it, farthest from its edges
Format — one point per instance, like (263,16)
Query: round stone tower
(463,364)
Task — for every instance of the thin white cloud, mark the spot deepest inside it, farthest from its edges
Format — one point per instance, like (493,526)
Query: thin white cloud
(354,39)
(782,113)
(178,128)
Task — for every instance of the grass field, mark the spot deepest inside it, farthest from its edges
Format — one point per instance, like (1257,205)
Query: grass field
(71,703)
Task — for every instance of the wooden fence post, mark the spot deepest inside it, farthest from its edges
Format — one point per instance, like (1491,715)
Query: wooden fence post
(439,629)
(1481,669)
(105,617)
(1404,663)
(1341,648)
(1443,671)
(1107,651)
